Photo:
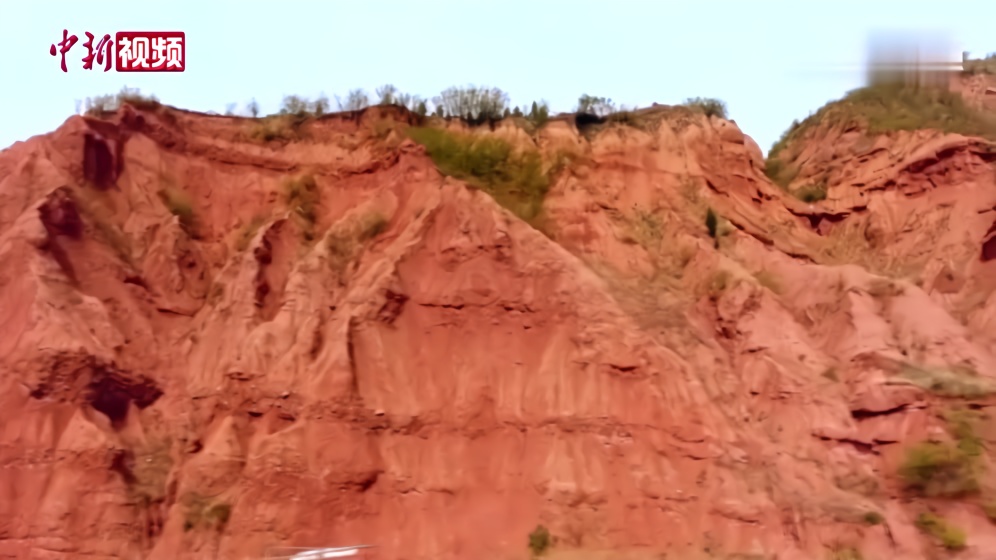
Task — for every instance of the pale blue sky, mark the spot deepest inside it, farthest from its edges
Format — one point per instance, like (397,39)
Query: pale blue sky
(771,61)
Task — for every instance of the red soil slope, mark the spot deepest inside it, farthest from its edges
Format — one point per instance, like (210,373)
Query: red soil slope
(418,369)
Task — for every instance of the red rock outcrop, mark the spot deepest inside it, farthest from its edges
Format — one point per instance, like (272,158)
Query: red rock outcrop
(199,361)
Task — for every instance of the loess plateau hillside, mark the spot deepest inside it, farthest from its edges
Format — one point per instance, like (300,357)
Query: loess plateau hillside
(592,339)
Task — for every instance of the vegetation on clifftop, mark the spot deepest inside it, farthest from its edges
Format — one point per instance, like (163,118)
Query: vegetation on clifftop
(99,104)
(883,108)
(986,65)
(472,104)
(517,179)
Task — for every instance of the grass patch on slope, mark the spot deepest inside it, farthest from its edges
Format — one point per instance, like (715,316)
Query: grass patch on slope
(894,107)
(948,469)
(303,197)
(539,541)
(516,180)
(950,537)
(957,382)
(248,231)
(180,204)
(886,108)
(852,243)
(201,513)
(147,475)
(346,239)
(939,470)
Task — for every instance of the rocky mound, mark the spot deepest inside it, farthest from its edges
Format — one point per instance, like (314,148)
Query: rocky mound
(222,335)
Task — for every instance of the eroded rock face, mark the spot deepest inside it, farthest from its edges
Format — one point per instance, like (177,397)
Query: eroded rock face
(402,362)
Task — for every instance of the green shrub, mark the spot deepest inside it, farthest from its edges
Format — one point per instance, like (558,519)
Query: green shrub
(769,281)
(286,125)
(294,105)
(811,193)
(779,173)
(939,470)
(136,99)
(473,104)
(593,105)
(248,231)
(301,109)
(356,100)
(202,513)
(961,424)
(887,107)
(515,180)
(718,282)
(950,537)
(276,127)
(873,518)
(539,540)
(958,381)
(628,118)
(709,106)
(148,474)
(372,226)
(783,140)
(301,195)
(538,114)
(344,240)
(99,104)
(179,204)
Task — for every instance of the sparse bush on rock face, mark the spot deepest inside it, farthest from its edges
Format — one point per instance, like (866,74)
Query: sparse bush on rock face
(873,518)
(203,513)
(539,540)
(302,197)
(938,470)
(949,470)
(179,204)
(811,193)
(950,537)
(779,172)
(345,240)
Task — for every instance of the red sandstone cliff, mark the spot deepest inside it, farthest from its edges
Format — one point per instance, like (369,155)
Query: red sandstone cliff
(414,367)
